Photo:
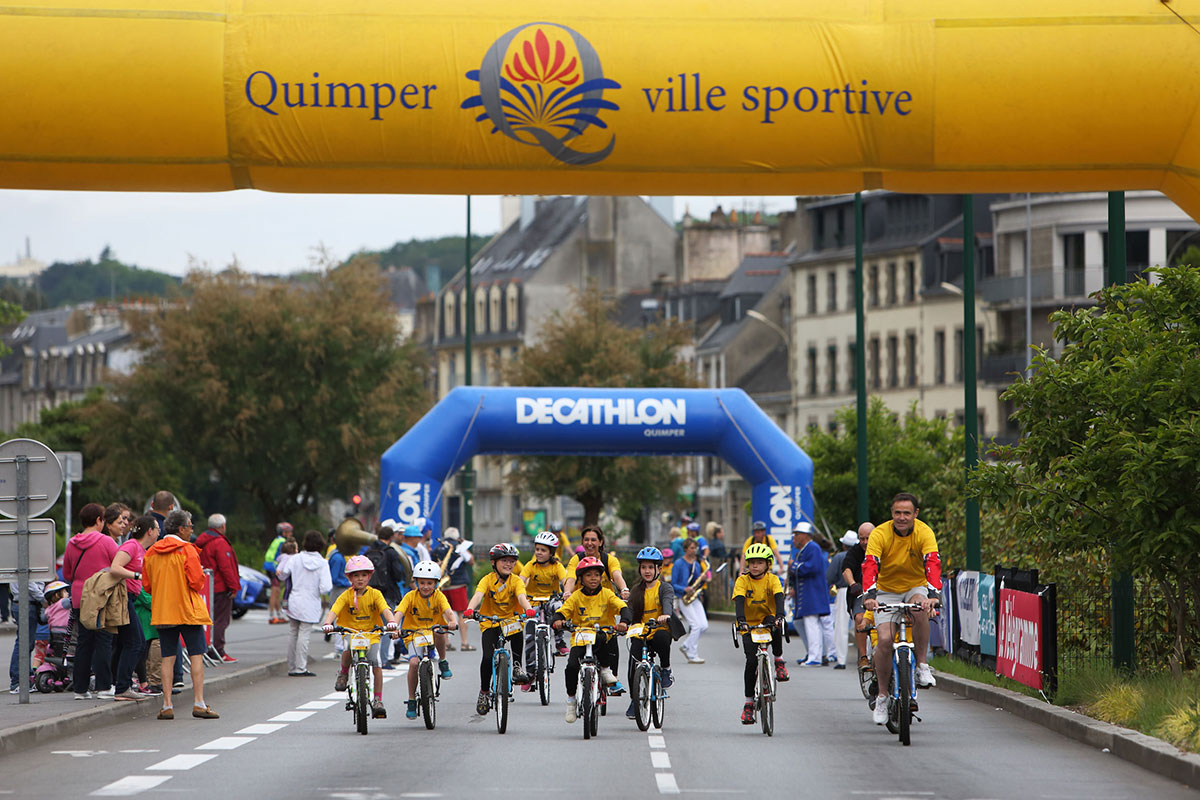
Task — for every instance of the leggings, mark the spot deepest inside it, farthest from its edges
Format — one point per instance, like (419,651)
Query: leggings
(751,649)
(490,638)
(604,654)
(660,643)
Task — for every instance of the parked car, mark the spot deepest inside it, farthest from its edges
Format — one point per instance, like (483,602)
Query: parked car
(256,588)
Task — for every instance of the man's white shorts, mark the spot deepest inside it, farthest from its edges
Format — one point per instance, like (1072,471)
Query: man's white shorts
(891,617)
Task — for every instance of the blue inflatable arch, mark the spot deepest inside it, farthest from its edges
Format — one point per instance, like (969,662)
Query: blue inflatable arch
(473,421)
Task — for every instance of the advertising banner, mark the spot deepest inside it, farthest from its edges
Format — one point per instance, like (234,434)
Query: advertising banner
(966,598)
(987,614)
(1019,643)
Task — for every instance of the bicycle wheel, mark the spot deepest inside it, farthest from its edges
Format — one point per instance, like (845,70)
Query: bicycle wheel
(767,710)
(543,669)
(425,679)
(503,676)
(361,706)
(641,693)
(588,708)
(904,705)
(603,699)
(658,700)
(889,699)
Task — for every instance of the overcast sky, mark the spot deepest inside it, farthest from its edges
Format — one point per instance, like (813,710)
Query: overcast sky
(275,233)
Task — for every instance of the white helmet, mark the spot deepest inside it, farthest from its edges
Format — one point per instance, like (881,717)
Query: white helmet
(547,538)
(427,569)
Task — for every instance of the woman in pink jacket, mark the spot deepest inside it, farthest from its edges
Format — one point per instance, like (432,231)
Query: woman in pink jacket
(87,553)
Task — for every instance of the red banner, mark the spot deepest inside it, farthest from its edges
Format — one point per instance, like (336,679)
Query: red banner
(1019,639)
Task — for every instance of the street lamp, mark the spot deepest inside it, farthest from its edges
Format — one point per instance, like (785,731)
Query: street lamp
(760,317)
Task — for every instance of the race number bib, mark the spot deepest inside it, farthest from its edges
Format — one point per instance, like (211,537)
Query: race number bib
(359,642)
(422,639)
(585,637)
(635,630)
(509,627)
(760,635)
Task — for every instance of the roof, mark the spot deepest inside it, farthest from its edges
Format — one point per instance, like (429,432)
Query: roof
(516,253)
(405,287)
(757,274)
(768,376)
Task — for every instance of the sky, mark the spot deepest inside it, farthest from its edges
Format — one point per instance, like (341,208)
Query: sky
(264,232)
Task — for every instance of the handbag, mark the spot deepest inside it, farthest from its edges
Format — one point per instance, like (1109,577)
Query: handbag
(675,626)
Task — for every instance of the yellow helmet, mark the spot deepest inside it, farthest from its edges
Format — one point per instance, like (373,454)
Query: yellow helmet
(759,551)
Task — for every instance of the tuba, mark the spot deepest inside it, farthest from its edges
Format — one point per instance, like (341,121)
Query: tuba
(350,537)
(697,584)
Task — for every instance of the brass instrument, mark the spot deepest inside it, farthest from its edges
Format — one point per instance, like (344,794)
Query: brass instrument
(697,584)
(445,579)
(350,537)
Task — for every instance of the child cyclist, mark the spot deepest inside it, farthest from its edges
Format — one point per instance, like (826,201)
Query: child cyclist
(543,576)
(651,598)
(591,604)
(499,594)
(758,600)
(361,608)
(420,610)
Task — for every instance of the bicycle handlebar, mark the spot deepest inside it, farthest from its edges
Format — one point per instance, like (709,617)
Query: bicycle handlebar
(375,629)
(434,628)
(570,626)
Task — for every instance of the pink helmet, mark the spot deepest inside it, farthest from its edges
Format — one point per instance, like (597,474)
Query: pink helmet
(359,564)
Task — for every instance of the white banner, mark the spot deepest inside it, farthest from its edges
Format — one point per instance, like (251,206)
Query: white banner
(967,601)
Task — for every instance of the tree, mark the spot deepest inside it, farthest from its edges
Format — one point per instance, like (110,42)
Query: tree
(586,347)
(10,314)
(918,455)
(1109,459)
(276,390)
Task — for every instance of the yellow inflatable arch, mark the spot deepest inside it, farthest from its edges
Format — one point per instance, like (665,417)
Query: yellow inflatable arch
(620,97)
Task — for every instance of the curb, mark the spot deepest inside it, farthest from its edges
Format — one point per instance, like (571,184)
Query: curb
(1137,748)
(34,733)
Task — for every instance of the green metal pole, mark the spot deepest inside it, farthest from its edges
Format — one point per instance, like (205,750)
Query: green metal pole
(970,400)
(468,473)
(860,363)
(1122,586)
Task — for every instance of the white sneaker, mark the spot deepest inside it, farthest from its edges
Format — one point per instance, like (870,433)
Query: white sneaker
(107,694)
(607,676)
(925,677)
(880,715)
(695,660)
(571,716)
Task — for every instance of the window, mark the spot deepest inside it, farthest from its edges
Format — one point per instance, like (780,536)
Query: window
(873,359)
(448,315)
(978,348)
(910,282)
(851,356)
(892,286)
(480,311)
(512,318)
(833,424)
(462,312)
(482,379)
(833,368)
(939,356)
(813,424)
(910,359)
(831,300)
(958,355)
(893,345)
(812,294)
(812,370)
(452,371)
(851,289)
(873,286)
(494,309)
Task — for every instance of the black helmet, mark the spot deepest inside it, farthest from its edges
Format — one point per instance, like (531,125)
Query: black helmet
(503,550)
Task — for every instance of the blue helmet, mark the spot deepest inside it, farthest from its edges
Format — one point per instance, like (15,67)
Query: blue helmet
(693,526)
(650,554)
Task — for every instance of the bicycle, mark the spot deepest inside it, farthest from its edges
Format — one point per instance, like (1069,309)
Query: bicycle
(502,683)
(764,680)
(357,688)
(543,654)
(429,677)
(592,694)
(902,686)
(648,694)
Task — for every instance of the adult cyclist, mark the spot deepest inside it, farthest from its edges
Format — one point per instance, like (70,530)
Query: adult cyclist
(902,566)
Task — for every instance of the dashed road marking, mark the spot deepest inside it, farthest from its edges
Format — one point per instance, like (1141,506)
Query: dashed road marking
(226,743)
(261,728)
(131,784)
(657,742)
(316,705)
(335,696)
(666,783)
(183,761)
(291,716)
(660,759)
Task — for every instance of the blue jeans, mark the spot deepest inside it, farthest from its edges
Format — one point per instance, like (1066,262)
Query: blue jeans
(131,644)
(14,666)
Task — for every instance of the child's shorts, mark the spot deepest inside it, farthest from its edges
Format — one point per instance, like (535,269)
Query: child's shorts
(372,653)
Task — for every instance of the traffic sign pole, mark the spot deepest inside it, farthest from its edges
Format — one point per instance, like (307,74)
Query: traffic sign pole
(24,643)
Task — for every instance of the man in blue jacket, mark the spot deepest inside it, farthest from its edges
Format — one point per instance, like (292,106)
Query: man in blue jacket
(810,592)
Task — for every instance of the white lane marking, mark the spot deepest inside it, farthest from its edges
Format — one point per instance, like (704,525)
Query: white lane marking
(183,761)
(666,783)
(131,784)
(316,705)
(291,716)
(226,743)
(79,753)
(334,696)
(659,759)
(420,794)
(657,742)
(387,678)
(261,728)
(141,751)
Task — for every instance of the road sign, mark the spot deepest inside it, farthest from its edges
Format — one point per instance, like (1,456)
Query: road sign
(42,553)
(45,477)
(72,465)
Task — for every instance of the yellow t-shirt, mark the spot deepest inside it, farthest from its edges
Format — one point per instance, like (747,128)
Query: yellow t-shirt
(362,614)
(901,558)
(499,597)
(652,608)
(769,542)
(760,595)
(584,610)
(664,574)
(543,580)
(606,578)
(420,613)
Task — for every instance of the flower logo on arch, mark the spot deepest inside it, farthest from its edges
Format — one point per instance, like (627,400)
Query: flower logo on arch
(542,85)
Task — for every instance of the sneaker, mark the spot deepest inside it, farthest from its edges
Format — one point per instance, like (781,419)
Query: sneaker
(631,712)
(683,650)
(668,680)
(571,714)
(519,676)
(695,660)
(228,659)
(129,694)
(563,650)
(278,621)
(839,666)
(204,713)
(444,666)
(748,713)
(177,685)
(149,691)
(339,685)
(607,676)
(925,677)
(410,709)
(105,694)
(781,673)
(830,659)
(810,663)
(879,715)
(377,709)
(616,689)
(527,687)
(166,713)
(388,665)
(483,704)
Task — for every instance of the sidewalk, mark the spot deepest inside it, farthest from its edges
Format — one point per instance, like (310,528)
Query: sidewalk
(260,650)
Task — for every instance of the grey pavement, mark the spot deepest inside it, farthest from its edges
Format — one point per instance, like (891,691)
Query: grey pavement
(291,737)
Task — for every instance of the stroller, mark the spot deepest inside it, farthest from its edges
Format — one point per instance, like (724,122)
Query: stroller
(54,673)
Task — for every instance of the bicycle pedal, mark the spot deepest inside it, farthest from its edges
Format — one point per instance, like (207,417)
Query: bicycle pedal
(914,716)
(349,705)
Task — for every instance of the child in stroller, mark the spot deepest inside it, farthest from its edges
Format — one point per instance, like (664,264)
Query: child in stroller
(52,672)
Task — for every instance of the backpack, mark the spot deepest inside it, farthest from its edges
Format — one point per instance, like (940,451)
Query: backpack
(381,578)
